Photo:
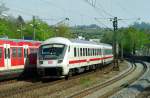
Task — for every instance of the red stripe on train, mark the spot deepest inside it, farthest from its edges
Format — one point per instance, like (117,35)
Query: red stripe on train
(76,61)
(93,59)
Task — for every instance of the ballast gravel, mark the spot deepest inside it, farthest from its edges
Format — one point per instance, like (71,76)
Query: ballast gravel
(135,89)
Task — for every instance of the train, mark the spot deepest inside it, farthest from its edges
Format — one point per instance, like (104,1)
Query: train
(61,57)
(16,56)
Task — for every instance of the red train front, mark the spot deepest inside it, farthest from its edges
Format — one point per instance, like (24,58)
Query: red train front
(16,56)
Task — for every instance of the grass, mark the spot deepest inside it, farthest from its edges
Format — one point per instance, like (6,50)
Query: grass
(85,81)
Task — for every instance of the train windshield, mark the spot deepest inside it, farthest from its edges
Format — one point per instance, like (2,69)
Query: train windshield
(52,51)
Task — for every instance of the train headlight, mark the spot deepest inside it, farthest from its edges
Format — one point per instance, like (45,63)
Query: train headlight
(60,61)
(40,62)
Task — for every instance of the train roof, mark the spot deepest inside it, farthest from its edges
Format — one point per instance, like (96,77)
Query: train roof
(19,40)
(83,41)
(72,41)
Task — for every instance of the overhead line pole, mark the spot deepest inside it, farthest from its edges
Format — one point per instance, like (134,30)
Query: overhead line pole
(34,26)
(115,43)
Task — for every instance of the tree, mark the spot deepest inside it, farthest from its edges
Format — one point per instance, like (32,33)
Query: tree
(63,31)
(20,25)
(3,8)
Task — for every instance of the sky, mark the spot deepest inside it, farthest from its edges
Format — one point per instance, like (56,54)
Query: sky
(80,12)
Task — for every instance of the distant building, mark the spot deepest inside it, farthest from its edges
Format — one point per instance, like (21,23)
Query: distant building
(81,38)
(95,40)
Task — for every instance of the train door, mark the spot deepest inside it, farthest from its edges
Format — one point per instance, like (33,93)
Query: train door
(14,59)
(17,58)
(7,60)
(2,66)
(20,56)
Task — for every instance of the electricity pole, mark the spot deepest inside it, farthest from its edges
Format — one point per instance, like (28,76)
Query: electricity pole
(115,43)
(34,26)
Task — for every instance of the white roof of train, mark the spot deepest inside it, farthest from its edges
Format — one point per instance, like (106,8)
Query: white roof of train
(73,41)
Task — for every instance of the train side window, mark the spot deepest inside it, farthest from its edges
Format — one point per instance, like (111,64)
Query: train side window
(14,52)
(19,52)
(25,53)
(100,51)
(80,51)
(86,52)
(1,53)
(93,51)
(83,51)
(90,52)
(69,49)
(5,53)
(111,51)
(75,53)
(96,52)
(8,53)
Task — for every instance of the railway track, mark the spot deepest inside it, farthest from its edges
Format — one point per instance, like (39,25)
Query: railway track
(40,84)
(7,82)
(88,91)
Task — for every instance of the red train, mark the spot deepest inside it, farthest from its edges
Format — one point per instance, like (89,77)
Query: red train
(17,55)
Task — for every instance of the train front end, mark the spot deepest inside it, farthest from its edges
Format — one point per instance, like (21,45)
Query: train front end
(50,61)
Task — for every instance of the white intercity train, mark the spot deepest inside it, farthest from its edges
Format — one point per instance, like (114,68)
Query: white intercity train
(62,57)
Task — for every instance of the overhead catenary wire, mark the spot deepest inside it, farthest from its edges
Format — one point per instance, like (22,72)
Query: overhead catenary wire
(124,9)
(98,9)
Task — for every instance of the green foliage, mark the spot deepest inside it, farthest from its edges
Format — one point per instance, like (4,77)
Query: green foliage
(42,30)
(131,38)
(63,31)
(107,37)
(18,28)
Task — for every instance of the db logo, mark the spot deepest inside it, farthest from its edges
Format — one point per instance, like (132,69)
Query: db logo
(50,62)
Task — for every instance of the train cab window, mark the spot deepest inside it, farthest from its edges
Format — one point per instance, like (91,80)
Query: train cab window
(1,52)
(19,52)
(75,53)
(14,52)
